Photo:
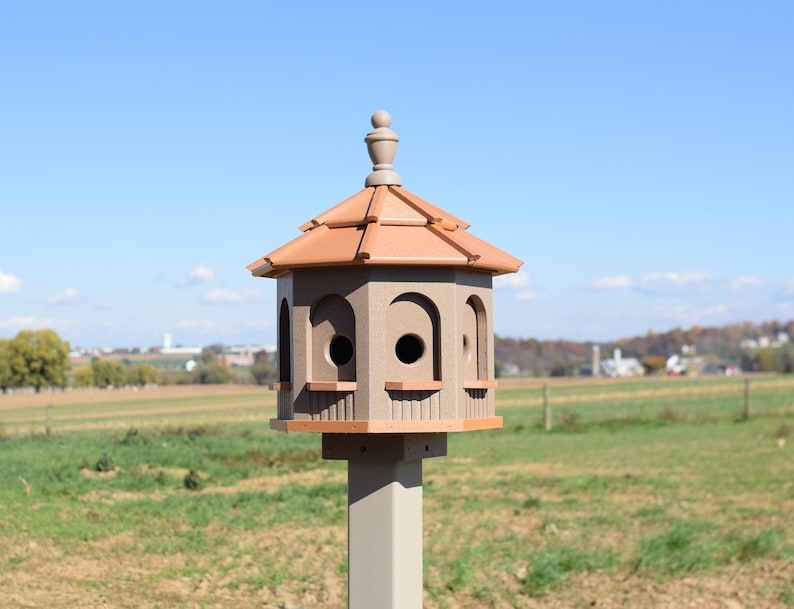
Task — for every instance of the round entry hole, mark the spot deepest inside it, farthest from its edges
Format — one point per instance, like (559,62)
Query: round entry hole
(409,349)
(340,350)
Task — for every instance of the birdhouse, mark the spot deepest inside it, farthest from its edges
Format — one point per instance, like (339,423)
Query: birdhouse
(385,313)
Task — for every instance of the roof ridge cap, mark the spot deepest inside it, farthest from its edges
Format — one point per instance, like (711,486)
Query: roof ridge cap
(433,213)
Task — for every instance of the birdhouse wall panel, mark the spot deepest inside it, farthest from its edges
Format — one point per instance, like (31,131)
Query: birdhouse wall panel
(333,330)
(469,351)
(285,407)
(477,405)
(416,303)
(475,302)
(332,406)
(284,404)
(412,328)
(326,330)
(284,342)
(415,405)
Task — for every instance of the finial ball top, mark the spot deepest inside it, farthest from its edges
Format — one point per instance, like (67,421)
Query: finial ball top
(381,118)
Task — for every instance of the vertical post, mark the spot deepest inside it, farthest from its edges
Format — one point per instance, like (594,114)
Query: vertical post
(385,535)
(747,405)
(546,408)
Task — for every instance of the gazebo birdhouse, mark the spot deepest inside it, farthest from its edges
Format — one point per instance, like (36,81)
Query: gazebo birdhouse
(385,313)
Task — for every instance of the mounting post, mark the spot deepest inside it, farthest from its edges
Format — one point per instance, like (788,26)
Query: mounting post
(384,511)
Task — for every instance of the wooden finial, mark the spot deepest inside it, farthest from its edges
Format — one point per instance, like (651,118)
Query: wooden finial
(382,147)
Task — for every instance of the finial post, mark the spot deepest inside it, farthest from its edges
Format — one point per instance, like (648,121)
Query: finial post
(382,148)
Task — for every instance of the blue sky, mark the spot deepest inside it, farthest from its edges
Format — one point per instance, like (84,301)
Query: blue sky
(638,156)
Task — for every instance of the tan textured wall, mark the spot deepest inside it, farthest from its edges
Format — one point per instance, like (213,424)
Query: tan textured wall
(433,304)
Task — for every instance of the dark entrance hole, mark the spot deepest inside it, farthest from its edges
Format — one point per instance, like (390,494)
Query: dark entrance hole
(340,350)
(409,349)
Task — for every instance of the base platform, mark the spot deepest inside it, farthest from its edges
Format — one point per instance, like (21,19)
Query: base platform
(449,425)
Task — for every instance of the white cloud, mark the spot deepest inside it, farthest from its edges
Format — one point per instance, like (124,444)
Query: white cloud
(202,325)
(65,296)
(745,282)
(9,283)
(526,295)
(32,323)
(512,281)
(227,296)
(615,282)
(258,324)
(517,285)
(200,274)
(689,315)
(675,283)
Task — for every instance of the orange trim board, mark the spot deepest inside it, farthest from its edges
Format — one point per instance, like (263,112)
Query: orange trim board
(414,385)
(480,384)
(331,385)
(448,425)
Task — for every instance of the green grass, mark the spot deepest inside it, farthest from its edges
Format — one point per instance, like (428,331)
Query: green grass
(551,568)
(509,514)
(659,399)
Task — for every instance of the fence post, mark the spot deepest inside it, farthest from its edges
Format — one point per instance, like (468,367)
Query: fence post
(747,405)
(546,408)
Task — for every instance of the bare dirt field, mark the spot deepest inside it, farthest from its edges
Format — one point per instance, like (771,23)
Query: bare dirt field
(93,396)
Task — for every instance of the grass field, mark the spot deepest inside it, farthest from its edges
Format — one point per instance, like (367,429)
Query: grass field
(648,493)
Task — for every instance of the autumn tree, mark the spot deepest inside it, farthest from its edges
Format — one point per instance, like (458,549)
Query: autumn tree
(765,360)
(654,364)
(108,373)
(143,374)
(39,358)
(84,377)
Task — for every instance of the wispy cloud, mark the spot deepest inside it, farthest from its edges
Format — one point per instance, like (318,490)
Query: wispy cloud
(65,296)
(675,283)
(785,297)
(9,283)
(227,296)
(738,284)
(200,274)
(25,322)
(687,314)
(202,325)
(616,282)
(517,285)
(258,324)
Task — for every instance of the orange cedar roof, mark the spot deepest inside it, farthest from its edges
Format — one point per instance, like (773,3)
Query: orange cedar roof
(385,225)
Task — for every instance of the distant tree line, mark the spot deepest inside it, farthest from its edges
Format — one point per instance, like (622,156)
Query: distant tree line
(769,360)
(718,346)
(107,373)
(40,359)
